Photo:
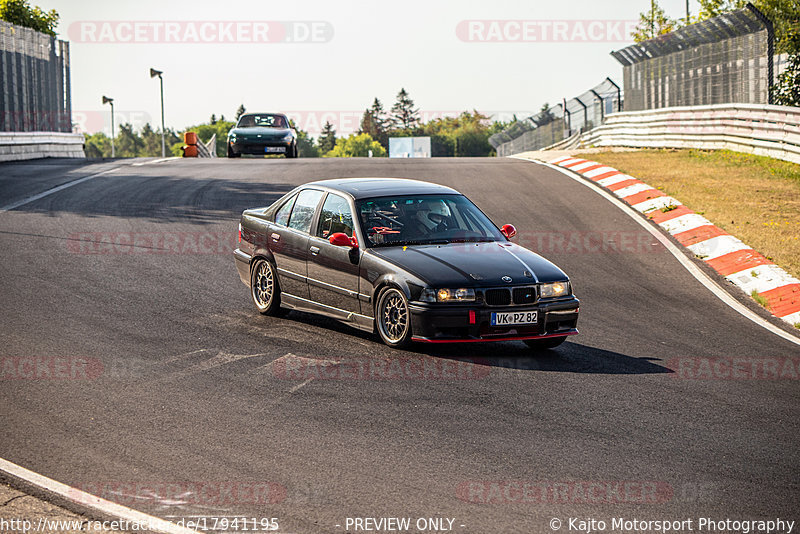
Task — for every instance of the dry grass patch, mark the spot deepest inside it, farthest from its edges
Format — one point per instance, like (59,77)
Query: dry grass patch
(754,198)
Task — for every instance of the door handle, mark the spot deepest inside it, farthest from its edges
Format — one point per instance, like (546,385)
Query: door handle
(276,237)
(314,250)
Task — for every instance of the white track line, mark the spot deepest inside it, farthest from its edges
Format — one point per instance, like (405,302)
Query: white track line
(87,500)
(699,275)
(13,205)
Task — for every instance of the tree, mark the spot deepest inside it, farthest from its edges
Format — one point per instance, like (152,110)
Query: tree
(21,13)
(305,143)
(151,141)
(380,124)
(357,146)
(714,8)
(379,115)
(128,143)
(404,116)
(653,23)
(375,123)
(787,90)
(327,139)
(98,145)
(241,111)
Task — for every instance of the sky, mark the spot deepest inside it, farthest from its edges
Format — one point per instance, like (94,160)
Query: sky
(321,60)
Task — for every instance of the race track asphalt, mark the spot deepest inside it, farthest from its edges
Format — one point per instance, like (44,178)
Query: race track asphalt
(191,397)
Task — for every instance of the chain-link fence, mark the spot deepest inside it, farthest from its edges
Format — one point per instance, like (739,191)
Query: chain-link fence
(556,123)
(35,92)
(722,60)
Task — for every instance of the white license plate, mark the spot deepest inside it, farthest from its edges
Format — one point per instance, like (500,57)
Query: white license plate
(274,149)
(513,318)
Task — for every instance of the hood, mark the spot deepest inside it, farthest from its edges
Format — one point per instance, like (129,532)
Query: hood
(265,133)
(473,264)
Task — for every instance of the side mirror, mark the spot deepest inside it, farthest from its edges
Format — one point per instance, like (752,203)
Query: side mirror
(340,239)
(508,230)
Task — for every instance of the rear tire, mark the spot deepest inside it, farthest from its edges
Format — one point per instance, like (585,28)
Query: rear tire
(393,318)
(544,344)
(264,288)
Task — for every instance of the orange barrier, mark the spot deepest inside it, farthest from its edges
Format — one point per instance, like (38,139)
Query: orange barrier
(190,151)
(190,138)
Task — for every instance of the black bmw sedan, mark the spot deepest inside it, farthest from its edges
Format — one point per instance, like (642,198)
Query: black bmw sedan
(262,134)
(411,260)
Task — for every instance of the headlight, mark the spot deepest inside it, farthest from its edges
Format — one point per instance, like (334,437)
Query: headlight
(288,138)
(448,295)
(555,289)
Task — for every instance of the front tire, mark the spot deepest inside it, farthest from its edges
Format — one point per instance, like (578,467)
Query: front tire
(393,319)
(292,152)
(544,344)
(264,287)
(231,153)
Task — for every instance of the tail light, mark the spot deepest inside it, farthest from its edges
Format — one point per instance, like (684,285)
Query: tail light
(240,232)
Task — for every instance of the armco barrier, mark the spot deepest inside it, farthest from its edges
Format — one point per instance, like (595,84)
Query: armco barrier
(763,130)
(31,145)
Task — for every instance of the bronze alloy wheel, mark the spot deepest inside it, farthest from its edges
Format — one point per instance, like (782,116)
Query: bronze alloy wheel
(393,318)
(264,287)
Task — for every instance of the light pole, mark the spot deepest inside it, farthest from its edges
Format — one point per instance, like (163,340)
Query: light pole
(107,100)
(153,74)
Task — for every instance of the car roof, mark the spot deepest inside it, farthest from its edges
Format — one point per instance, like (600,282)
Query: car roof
(380,187)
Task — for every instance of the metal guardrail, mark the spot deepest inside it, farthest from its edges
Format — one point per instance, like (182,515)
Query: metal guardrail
(759,129)
(16,146)
(209,149)
(552,125)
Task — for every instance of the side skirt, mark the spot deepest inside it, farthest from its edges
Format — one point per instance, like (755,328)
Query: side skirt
(362,322)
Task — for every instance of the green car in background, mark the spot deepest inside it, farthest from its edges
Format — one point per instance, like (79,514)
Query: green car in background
(262,134)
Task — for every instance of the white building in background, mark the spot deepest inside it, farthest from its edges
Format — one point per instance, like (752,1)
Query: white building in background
(409,147)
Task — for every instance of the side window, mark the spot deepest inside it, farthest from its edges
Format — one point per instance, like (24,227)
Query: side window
(282,215)
(303,210)
(335,217)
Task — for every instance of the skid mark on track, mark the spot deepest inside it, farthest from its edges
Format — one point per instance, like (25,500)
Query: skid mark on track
(292,390)
(290,361)
(218,359)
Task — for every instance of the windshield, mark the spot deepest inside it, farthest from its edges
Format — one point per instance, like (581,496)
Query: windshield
(266,120)
(424,220)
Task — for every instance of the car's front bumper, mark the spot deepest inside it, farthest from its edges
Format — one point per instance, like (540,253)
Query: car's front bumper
(259,146)
(449,323)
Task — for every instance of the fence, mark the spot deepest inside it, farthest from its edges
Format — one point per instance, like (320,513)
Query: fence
(559,122)
(728,58)
(35,75)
